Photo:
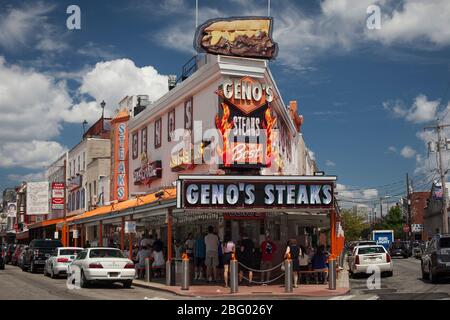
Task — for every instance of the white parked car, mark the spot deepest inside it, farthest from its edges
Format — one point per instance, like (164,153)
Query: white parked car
(59,261)
(367,258)
(102,264)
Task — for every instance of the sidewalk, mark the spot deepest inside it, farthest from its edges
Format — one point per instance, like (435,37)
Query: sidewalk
(271,290)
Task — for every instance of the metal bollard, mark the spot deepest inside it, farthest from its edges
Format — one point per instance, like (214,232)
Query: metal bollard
(169,274)
(148,277)
(288,276)
(332,274)
(185,274)
(234,284)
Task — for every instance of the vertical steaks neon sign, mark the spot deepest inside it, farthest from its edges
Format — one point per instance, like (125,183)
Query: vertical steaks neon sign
(245,122)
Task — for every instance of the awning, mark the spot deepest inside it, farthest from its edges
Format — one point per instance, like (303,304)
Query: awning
(45,223)
(22,235)
(166,194)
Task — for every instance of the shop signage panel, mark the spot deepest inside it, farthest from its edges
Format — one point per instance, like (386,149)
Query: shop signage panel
(130,226)
(58,200)
(244,216)
(246,123)
(37,198)
(119,183)
(237,36)
(148,172)
(240,192)
(11,210)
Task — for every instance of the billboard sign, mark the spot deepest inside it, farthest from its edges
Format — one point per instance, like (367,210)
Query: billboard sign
(255,192)
(246,123)
(119,167)
(11,210)
(58,200)
(37,198)
(249,37)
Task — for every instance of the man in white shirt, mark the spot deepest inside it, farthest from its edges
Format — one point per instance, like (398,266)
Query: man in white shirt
(212,254)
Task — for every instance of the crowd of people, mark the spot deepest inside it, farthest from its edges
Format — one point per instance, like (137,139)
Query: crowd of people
(211,257)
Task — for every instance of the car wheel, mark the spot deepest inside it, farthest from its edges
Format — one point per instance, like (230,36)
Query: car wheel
(83,281)
(127,284)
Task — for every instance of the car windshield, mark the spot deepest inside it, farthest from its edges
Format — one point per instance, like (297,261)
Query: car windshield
(370,250)
(444,243)
(47,243)
(69,252)
(105,253)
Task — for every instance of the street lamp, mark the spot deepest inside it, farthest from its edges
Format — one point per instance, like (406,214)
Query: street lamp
(84,126)
(103,104)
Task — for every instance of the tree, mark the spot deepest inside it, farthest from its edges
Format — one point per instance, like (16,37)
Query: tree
(354,225)
(394,221)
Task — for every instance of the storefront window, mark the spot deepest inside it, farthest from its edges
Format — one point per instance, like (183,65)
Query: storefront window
(77,200)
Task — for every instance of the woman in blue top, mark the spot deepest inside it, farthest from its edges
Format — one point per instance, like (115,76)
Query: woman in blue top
(319,262)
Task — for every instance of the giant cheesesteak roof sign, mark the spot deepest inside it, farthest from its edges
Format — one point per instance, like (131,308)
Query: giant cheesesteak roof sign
(249,37)
(255,192)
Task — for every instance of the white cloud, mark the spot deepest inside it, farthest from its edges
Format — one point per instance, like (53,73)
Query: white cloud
(34,105)
(330,163)
(339,26)
(27,27)
(408,152)
(392,149)
(30,177)
(30,104)
(421,111)
(30,155)
(416,20)
(113,80)
(355,194)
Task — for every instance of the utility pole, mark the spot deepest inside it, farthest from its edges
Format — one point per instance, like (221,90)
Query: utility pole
(440,143)
(408,207)
(381,207)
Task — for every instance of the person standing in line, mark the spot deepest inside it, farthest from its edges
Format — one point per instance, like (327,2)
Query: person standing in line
(228,249)
(303,262)
(199,256)
(268,248)
(144,253)
(212,254)
(220,267)
(294,250)
(319,263)
(246,257)
(189,246)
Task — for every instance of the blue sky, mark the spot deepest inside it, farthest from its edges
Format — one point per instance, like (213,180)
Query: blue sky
(365,94)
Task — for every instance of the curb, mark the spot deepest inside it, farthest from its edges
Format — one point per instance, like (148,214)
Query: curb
(187,295)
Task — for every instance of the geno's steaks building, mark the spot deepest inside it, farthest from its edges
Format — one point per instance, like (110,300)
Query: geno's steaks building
(221,148)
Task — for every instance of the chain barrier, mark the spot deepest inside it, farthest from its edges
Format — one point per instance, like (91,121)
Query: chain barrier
(264,282)
(262,271)
(265,270)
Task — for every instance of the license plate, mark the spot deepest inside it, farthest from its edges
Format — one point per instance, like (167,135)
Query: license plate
(113,274)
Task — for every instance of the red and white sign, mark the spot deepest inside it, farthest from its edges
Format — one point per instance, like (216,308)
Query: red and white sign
(58,200)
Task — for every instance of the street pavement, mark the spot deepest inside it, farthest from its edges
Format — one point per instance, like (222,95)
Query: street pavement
(405,284)
(18,285)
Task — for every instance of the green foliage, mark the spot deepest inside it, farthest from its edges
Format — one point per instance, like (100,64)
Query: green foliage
(354,226)
(394,221)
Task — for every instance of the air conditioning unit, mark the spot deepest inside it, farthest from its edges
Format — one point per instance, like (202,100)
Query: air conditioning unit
(141,103)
